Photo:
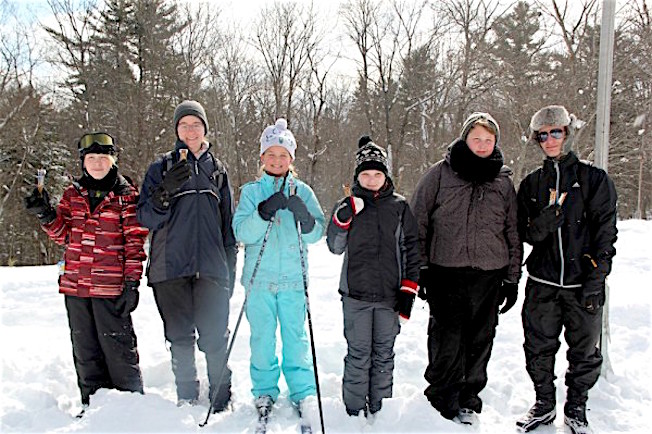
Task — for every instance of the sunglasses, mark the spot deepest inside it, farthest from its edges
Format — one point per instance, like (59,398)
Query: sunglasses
(555,134)
(102,139)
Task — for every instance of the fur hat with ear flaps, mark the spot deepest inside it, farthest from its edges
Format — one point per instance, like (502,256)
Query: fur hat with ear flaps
(554,115)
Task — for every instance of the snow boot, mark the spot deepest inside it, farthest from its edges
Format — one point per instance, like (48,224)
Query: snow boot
(466,416)
(264,404)
(575,418)
(541,413)
(223,399)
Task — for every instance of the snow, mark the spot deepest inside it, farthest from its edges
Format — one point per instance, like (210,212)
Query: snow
(39,392)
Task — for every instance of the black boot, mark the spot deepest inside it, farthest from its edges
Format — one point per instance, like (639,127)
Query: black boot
(542,413)
(575,418)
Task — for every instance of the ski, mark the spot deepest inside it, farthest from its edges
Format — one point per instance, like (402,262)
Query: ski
(82,412)
(261,426)
(304,424)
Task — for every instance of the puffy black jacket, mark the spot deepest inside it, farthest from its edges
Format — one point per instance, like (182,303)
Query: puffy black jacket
(579,253)
(381,247)
(193,236)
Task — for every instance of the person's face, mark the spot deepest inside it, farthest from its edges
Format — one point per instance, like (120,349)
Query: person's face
(191,131)
(97,165)
(552,146)
(371,179)
(277,160)
(480,141)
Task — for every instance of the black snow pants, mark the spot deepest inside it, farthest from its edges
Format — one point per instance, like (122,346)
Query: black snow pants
(190,304)
(545,310)
(370,329)
(463,318)
(103,346)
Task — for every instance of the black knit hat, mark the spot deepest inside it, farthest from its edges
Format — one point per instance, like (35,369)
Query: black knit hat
(370,156)
(193,108)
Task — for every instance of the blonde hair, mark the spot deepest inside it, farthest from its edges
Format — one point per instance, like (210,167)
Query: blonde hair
(484,123)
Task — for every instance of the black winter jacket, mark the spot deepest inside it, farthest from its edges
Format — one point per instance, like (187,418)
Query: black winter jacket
(193,236)
(380,247)
(579,254)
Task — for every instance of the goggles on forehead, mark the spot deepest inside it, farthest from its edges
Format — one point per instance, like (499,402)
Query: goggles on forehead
(555,134)
(101,139)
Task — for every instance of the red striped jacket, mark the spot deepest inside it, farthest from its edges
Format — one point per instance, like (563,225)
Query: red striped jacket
(103,248)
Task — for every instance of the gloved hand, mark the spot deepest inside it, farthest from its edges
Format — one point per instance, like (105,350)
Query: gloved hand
(348,207)
(38,204)
(550,218)
(301,213)
(126,302)
(269,206)
(507,294)
(406,301)
(172,182)
(423,282)
(591,301)
(176,177)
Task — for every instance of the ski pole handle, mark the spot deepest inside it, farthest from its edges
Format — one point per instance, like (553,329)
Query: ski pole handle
(40,179)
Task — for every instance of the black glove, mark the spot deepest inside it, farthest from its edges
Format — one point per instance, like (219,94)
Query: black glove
(172,182)
(404,304)
(126,302)
(550,218)
(349,207)
(176,177)
(507,294)
(269,206)
(591,301)
(38,204)
(423,282)
(301,213)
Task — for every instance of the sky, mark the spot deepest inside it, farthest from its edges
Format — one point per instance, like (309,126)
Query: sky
(38,392)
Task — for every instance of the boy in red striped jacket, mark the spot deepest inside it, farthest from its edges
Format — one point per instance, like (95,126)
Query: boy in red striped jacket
(96,221)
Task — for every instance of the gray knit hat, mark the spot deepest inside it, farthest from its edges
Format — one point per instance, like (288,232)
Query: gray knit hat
(190,107)
(473,119)
(556,115)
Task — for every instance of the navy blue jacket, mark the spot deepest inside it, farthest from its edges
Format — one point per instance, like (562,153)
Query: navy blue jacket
(193,236)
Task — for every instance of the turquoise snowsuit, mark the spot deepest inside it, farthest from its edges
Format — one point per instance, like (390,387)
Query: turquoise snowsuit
(277,293)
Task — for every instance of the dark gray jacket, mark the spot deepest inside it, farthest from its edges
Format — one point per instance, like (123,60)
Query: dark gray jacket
(463,223)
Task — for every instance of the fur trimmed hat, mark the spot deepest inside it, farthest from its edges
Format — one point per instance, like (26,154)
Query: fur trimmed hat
(278,135)
(193,108)
(476,117)
(370,156)
(554,115)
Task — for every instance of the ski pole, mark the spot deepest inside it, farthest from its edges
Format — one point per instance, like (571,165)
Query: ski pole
(237,324)
(312,337)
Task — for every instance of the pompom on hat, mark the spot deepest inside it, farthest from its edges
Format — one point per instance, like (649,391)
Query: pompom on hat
(554,115)
(370,156)
(278,135)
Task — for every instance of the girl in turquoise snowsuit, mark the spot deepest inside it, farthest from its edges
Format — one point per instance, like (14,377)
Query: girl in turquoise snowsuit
(277,292)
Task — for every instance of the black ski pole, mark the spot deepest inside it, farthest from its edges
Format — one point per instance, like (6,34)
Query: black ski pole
(242,309)
(312,337)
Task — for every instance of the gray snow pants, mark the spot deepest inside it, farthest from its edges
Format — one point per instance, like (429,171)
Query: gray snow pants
(370,329)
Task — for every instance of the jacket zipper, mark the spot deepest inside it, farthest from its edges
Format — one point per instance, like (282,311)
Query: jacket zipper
(559,241)
(197,214)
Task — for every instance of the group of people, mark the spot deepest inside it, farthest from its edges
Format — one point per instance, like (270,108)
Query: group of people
(457,244)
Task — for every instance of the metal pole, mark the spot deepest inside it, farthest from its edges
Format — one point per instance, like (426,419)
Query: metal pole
(603,114)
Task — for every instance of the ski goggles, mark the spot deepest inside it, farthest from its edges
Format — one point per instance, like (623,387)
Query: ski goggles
(543,136)
(100,139)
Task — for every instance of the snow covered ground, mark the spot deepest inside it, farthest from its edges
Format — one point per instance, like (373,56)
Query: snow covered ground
(39,392)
